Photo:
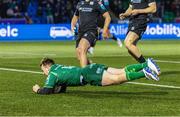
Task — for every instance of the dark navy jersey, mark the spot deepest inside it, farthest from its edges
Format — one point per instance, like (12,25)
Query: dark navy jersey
(88,13)
(140,4)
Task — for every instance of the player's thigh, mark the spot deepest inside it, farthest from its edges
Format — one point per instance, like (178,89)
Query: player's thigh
(111,79)
(77,53)
(115,71)
(83,45)
(131,38)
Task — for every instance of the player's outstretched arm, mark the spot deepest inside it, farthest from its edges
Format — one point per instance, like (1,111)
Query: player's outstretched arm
(38,90)
(128,12)
(151,9)
(60,89)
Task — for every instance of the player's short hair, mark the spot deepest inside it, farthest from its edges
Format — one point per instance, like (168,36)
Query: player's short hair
(47,61)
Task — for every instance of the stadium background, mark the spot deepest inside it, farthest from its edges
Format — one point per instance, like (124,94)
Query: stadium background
(55,15)
(29,30)
(61,11)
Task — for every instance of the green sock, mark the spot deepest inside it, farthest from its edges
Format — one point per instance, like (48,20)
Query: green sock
(135,67)
(134,75)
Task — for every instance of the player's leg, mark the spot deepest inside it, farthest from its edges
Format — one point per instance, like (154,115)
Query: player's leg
(115,71)
(78,38)
(91,50)
(128,68)
(78,56)
(136,67)
(111,36)
(131,38)
(131,72)
(82,51)
(111,79)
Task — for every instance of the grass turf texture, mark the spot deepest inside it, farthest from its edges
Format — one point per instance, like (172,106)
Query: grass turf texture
(17,98)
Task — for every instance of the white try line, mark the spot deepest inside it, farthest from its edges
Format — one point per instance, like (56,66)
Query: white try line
(164,61)
(137,83)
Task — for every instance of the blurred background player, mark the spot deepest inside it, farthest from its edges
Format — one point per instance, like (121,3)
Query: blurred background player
(87,12)
(94,74)
(101,22)
(138,12)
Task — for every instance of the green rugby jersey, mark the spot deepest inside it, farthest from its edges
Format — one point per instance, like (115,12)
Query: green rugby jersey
(60,74)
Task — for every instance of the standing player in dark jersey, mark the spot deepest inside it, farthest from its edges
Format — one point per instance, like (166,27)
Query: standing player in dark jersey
(101,22)
(138,12)
(87,13)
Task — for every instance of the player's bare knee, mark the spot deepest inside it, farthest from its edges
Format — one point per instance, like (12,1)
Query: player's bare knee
(127,44)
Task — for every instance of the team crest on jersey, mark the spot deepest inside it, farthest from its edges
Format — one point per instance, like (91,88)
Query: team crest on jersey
(136,1)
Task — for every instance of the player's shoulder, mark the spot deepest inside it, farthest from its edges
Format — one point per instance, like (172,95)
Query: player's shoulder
(151,1)
(93,2)
(98,2)
(79,4)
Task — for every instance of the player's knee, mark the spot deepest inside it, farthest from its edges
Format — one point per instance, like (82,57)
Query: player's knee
(127,44)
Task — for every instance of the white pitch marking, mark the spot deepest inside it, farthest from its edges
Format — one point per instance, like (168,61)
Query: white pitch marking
(137,83)
(164,61)
(155,85)
(25,53)
(18,70)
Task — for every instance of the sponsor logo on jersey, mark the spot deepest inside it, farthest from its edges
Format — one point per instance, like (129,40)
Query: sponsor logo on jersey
(85,9)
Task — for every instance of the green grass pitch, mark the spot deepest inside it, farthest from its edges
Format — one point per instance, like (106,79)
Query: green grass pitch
(17,98)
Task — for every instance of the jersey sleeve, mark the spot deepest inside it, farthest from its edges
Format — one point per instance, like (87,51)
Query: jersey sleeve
(106,4)
(101,8)
(130,4)
(77,10)
(50,81)
(151,1)
(45,91)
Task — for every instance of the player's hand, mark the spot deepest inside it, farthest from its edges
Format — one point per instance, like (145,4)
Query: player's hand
(36,88)
(122,16)
(72,30)
(135,12)
(105,34)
